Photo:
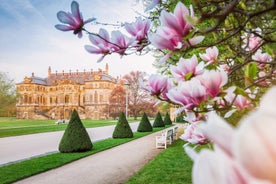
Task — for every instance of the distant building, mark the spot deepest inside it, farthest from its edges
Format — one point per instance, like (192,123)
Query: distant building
(56,96)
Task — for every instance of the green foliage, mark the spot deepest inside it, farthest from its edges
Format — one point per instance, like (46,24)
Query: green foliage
(180,119)
(7,96)
(237,116)
(167,119)
(144,125)
(75,137)
(122,129)
(158,122)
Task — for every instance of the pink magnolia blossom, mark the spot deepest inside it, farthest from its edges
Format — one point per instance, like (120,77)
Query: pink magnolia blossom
(169,86)
(101,44)
(139,29)
(241,102)
(253,42)
(191,117)
(193,135)
(260,158)
(263,81)
(235,158)
(73,21)
(189,94)
(216,167)
(178,20)
(121,42)
(261,57)
(174,27)
(185,67)
(213,81)
(166,38)
(156,84)
(211,55)
(225,67)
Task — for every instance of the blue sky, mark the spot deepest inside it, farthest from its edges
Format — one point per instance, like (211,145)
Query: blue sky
(30,43)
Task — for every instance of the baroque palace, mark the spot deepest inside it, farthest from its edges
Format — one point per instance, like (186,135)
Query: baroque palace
(55,96)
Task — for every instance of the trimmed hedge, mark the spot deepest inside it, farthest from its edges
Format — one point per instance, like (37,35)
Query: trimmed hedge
(144,125)
(75,137)
(122,129)
(167,119)
(158,122)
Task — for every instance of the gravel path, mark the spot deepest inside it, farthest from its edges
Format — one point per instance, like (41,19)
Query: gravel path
(113,166)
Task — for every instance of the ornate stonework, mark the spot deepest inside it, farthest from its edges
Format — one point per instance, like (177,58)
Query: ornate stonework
(56,96)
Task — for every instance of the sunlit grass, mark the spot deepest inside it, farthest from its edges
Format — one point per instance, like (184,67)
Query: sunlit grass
(170,166)
(20,170)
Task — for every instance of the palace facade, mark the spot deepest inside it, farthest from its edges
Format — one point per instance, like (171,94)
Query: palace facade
(55,96)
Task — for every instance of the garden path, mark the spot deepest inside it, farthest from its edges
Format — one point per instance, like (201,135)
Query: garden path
(113,166)
(18,148)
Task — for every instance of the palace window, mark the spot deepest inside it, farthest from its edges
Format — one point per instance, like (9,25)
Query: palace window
(66,98)
(96,97)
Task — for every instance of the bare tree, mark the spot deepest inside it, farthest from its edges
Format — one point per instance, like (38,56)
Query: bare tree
(139,100)
(117,101)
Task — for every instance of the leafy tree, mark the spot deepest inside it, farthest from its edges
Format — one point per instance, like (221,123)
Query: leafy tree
(122,129)
(167,119)
(144,125)
(75,137)
(8,96)
(158,121)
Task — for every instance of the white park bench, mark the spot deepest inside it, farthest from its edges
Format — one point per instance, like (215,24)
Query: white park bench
(165,139)
(62,121)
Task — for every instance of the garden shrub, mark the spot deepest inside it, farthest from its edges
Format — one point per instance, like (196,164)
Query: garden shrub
(167,119)
(144,125)
(158,121)
(75,137)
(122,129)
(180,119)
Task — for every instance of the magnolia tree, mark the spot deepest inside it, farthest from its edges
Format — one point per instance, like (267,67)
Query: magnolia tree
(214,57)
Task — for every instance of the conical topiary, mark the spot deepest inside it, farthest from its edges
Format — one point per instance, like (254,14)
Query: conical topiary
(122,129)
(167,119)
(158,122)
(75,137)
(144,125)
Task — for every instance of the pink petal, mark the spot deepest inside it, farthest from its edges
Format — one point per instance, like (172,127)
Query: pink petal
(219,131)
(64,27)
(75,11)
(65,18)
(258,158)
(92,49)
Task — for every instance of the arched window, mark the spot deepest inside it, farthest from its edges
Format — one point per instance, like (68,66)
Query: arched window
(66,98)
(30,100)
(91,98)
(25,99)
(96,97)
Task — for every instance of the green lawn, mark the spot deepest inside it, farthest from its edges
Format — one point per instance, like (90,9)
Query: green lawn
(14,127)
(171,166)
(16,171)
